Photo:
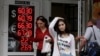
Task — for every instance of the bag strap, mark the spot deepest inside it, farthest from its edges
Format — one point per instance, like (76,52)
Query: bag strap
(94,34)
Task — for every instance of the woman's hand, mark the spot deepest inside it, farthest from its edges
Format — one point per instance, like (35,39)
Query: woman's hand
(49,40)
(79,38)
(59,18)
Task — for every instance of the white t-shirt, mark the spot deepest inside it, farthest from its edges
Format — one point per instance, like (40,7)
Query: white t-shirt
(66,44)
(89,34)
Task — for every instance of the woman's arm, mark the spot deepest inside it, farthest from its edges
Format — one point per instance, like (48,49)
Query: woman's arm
(73,52)
(86,37)
(51,26)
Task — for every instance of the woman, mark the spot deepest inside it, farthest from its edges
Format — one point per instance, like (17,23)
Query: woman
(92,34)
(41,31)
(64,44)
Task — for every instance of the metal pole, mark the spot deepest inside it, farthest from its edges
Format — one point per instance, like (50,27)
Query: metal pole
(79,20)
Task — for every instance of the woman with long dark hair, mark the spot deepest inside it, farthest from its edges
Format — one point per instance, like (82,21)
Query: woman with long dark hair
(41,32)
(64,43)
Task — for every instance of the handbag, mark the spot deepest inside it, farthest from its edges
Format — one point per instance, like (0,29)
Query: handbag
(93,48)
(46,45)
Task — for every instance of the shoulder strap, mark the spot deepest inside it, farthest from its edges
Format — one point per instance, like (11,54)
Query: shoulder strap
(94,34)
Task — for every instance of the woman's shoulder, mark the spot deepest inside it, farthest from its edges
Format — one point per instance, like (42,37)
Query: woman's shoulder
(89,29)
(71,35)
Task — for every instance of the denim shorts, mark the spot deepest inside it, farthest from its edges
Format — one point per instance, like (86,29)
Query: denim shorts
(62,54)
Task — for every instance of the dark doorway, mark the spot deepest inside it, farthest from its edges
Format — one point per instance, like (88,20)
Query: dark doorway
(68,11)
